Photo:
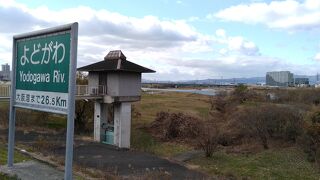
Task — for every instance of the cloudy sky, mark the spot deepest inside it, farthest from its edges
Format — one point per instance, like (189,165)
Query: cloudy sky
(183,39)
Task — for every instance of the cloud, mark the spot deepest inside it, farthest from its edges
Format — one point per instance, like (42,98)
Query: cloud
(243,46)
(174,48)
(193,19)
(317,57)
(13,19)
(179,2)
(221,33)
(102,30)
(287,14)
(235,66)
(235,44)
(148,41)
(148,28)
(232,66)
(101,22)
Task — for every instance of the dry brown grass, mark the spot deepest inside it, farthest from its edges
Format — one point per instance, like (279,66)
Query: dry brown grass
(151,104)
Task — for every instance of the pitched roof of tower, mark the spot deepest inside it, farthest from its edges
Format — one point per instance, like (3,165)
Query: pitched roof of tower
(115,61)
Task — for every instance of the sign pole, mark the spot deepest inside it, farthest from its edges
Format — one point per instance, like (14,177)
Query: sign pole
(11,136)
(12,115)
(71,102)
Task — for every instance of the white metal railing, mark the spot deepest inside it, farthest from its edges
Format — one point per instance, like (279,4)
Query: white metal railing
(5,90)
(81,90)
(85,90)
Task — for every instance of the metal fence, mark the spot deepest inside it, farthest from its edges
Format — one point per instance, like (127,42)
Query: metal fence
(5,90)
(85,90)
(81,90)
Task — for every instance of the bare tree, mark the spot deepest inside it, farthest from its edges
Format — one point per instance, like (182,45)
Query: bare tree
(209,138)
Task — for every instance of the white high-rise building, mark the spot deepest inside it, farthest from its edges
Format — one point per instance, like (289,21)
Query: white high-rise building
(5,67)
(5,72)
(280,78)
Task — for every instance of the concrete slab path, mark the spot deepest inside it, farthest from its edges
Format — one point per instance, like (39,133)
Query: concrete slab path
(33,170)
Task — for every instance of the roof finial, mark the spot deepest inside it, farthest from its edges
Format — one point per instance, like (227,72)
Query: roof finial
(115,55)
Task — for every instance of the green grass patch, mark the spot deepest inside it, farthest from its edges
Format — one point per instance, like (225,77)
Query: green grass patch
(170,149)
(18,157)
(287,163)
(56,122)
(7,177)
(4,104)
(143,141)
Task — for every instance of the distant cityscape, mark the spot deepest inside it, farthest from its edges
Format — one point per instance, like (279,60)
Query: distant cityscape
(5,72)
(273,78)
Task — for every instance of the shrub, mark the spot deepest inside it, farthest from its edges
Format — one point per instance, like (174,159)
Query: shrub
(4,117)
(27,118)
(270,121)
(310,140)
(303,95)
(242,94)
(218,103)
(83,116)
(179,126)
(176,126)
(42,118)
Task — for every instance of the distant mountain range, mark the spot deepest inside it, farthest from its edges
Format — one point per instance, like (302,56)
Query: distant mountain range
(250,80)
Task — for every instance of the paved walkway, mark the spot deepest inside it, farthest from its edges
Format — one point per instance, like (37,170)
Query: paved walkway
(109,159)
(128,163)
(33,170)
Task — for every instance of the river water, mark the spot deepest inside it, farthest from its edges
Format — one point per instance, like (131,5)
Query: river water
(209,92)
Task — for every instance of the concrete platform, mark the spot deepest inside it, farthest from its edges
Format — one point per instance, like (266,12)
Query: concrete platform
(33,170)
